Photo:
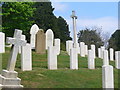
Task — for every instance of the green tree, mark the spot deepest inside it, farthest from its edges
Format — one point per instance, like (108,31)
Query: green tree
(17,15)
(114,40)
(64,33)
(45,19)
(90,37)
(43,15)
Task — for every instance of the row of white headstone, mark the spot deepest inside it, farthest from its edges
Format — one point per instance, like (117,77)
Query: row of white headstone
(82,49)
(111,53)
(103,54)
(50,41)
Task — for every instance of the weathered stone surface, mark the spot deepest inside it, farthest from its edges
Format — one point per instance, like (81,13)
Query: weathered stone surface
(40,42)
(26,58)
(91,62)
(9,74)
(73,58)
(33,31)
(49,38)
(107,77)
(9,79)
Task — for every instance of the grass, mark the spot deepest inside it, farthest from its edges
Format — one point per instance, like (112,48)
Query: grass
(41,77)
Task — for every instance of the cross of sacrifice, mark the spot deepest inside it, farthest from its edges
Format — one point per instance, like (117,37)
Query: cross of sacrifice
(74,17)
(16,42)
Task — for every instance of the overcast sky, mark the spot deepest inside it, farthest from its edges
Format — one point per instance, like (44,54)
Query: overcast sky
(90,14)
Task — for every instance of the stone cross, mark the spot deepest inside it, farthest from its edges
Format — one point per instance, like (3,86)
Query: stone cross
(16,41)
(74,17)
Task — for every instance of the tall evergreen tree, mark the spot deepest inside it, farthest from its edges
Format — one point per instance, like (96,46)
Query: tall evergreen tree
(114,40)
(64,33)
(45,19)
(43,15)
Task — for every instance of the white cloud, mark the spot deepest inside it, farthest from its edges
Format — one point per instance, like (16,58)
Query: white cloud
(109,24)
(59,6)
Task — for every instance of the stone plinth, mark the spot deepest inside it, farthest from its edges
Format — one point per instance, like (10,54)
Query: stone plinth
(9,79)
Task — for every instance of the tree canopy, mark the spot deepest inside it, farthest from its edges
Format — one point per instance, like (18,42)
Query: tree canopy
(90,37)
(17,15)
(114,41)
(22,15)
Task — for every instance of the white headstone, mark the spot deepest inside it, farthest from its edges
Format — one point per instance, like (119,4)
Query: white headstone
(66,46)
(33,31)
(73,58)
(105,58)
(52,58)
(91,61)
(82,49)
(22,38)
(26,58)
(117,59)
(8,78)
(86,49)
(49,38)
(78,48)
(70,45)
(2,42)
(107,77)
(57,45)
(102,51)
(93,48)
(99,52)
(111,54)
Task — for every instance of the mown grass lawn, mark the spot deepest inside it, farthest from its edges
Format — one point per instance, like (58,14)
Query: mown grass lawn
(41,77)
